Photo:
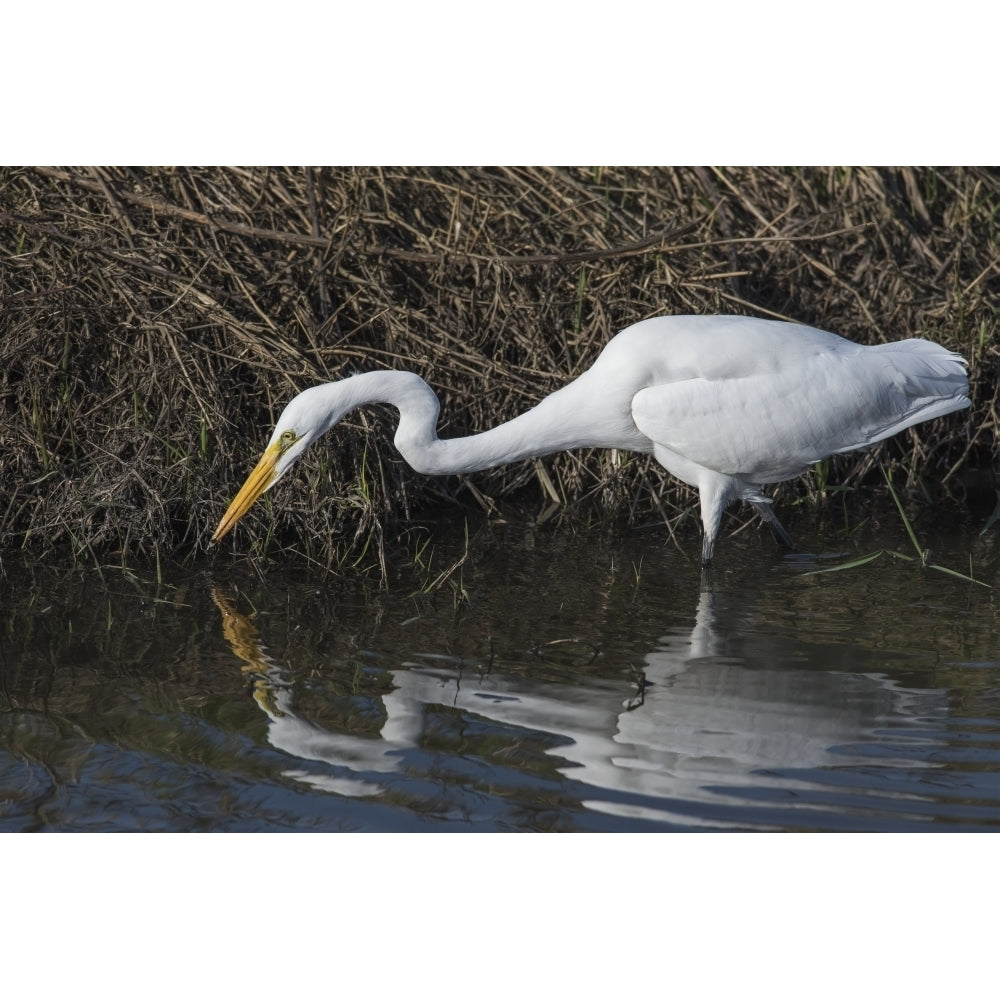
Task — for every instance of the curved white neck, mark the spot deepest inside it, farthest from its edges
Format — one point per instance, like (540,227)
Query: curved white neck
(572,417)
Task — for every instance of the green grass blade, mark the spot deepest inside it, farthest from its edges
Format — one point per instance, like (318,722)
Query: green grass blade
(961,576)
(850,564)
(902,514)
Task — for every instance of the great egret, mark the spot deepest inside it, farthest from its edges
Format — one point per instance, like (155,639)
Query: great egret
(724,403)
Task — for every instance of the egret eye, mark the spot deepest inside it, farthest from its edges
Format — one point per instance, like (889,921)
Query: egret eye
(287,439)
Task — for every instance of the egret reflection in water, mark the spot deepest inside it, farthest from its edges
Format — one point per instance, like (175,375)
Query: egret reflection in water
(722,724)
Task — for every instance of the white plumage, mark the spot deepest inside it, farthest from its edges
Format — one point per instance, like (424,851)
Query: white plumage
(725,403)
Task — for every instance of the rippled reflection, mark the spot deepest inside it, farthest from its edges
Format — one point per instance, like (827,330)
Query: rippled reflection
(566,683)
(720,727)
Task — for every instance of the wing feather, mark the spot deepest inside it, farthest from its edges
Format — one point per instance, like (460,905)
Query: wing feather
(772,424)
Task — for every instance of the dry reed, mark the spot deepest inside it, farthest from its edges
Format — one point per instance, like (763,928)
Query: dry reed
(154,322)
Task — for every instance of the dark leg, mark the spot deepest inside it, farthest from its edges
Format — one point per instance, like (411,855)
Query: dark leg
(764,508)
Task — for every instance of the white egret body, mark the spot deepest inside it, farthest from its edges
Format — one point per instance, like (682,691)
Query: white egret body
(725,403)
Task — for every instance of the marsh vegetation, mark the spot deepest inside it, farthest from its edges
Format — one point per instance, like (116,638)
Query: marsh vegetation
(156,320)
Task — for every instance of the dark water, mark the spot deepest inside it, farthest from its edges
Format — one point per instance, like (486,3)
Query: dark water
(552,682)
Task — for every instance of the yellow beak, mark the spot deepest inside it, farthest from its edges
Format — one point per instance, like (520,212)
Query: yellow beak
(263,475)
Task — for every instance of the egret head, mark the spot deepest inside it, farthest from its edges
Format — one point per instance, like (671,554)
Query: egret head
(302,421)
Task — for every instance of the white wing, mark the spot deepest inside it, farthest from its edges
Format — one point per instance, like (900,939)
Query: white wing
(768,418)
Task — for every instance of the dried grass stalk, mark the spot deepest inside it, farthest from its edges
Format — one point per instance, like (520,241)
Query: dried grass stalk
(154,321)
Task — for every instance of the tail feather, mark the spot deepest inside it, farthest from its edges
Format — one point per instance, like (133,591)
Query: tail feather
(926,380)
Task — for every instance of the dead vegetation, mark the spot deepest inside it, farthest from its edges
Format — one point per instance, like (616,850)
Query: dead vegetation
(154,322)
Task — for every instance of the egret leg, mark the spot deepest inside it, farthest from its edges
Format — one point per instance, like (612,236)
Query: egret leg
(763,507)
(707,549)
(715,492)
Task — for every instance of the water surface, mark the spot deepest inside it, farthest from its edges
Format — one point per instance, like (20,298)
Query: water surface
(554,681)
